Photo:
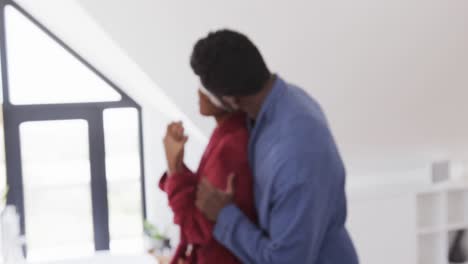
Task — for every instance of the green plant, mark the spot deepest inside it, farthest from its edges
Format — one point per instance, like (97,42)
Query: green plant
(153,232)
(5,194)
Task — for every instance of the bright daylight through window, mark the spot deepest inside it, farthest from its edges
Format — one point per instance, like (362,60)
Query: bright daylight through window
(60,188)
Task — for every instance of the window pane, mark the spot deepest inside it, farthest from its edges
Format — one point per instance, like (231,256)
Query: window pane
(121,132)
(123,179)
(125,217)
(57,192)
(41,71)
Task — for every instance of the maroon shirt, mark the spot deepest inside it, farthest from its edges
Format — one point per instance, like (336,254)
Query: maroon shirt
(226,153)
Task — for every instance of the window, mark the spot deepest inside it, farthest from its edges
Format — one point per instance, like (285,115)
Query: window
(56,175)
(53,74)
(73,147)
(123,179)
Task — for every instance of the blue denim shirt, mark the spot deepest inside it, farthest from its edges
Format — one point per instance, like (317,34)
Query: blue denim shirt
(299,188)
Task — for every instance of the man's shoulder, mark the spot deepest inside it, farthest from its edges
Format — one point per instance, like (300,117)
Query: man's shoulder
(298,105)
(300,129)
(299,125)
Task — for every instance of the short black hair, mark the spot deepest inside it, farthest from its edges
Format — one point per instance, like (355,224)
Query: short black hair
(229,64)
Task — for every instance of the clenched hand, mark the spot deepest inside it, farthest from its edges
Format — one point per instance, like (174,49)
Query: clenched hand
(174,144)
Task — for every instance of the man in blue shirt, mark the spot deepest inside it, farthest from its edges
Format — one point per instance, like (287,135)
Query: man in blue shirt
(298,173)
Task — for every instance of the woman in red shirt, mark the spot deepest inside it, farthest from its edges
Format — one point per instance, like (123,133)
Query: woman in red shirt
(226,154)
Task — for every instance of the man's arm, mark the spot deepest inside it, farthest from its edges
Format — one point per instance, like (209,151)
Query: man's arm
(299,217)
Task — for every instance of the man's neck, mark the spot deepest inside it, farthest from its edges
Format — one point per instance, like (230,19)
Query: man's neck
(259,99)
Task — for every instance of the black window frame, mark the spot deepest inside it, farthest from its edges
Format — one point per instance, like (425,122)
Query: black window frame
(14,115)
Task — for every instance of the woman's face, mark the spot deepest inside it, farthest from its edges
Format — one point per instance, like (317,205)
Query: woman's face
(207,108)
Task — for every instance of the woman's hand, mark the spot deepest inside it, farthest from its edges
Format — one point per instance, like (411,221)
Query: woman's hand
(174,144)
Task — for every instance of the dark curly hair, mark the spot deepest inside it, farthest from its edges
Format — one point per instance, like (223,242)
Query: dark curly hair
(229,64)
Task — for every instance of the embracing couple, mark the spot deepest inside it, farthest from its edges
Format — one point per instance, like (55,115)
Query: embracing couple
(270,187)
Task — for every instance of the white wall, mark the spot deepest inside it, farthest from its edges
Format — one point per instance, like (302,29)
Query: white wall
(392,75)
(383,228)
